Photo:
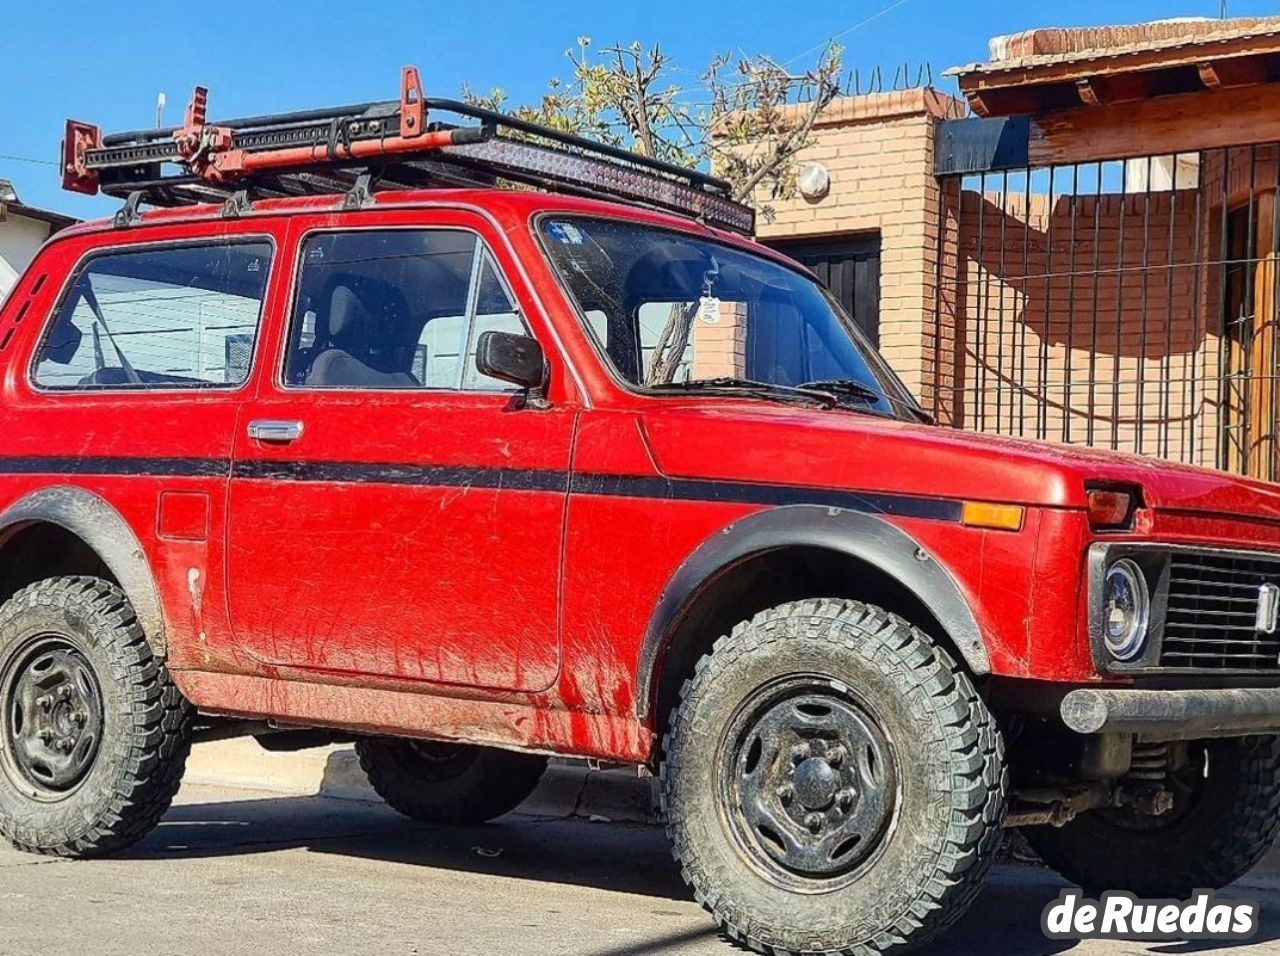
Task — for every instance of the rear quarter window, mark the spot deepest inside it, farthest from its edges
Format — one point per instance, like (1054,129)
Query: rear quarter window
(158,318)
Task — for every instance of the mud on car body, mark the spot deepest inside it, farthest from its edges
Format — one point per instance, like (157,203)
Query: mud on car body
(477,475)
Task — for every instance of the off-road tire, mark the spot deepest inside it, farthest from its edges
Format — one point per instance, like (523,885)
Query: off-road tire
(478,784)
(952,782)
(1228,827)
(145,728)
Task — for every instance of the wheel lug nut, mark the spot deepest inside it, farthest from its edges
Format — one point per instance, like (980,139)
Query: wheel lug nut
(799,753)
(64,692)
(844,799)
(66,745)
(46,735)
(835,756)
(785,793)
(79,717)
(814,822)
(45,702)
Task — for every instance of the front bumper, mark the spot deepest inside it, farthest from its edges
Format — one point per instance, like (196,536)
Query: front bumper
(1173,714)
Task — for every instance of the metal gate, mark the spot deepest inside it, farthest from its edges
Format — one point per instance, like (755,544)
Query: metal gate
(850,267)
(1128,304)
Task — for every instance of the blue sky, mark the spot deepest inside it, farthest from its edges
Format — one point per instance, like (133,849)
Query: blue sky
(106,62)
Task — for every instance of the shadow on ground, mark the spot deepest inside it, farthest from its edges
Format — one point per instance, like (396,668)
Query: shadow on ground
(622,858)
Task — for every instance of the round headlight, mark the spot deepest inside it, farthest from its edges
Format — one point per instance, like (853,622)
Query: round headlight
(1126,610)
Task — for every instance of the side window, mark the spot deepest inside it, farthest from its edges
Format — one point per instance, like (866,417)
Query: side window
(599,323)
(177,317)
(493,312)
(396,309)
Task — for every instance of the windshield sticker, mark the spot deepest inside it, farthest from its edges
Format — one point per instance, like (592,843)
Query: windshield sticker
(565,233)
(709,309)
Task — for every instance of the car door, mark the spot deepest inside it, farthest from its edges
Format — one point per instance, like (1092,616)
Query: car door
(392,511)
(135,385)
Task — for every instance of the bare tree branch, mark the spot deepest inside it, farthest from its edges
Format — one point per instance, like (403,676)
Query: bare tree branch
(783,151)
(672,341)
(749,130)
(755,119)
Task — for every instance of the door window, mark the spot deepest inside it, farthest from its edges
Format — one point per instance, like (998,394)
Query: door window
(397,309)
(176,317)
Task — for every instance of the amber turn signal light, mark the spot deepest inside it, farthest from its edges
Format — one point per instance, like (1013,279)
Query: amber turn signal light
(1110,509)
(984,514)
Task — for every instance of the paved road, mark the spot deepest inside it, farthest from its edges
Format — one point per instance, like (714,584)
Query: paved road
(236,873)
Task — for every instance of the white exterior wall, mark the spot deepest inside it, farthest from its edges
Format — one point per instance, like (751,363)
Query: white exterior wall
(20,239)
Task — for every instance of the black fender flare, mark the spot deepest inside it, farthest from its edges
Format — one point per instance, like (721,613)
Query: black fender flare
(868,537)
(95,522)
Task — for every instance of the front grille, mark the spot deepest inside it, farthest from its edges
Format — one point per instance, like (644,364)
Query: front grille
(1211,621)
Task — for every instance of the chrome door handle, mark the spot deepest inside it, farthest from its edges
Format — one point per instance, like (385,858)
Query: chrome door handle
(276,432)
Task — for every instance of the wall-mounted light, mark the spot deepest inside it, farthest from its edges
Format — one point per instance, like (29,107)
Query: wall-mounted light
(814,182)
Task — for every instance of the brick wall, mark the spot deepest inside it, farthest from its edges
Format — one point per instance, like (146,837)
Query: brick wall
(720,347)
(878,150)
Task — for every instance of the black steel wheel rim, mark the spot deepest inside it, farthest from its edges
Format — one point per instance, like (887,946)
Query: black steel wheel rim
(52,717)
(808,782)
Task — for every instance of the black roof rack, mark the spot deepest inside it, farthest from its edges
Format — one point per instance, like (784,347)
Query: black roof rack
(392,144)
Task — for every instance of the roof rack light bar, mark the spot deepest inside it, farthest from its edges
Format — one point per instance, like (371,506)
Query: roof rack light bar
(268,155)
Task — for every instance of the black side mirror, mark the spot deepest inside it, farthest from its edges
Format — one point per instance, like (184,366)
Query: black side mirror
(516,359)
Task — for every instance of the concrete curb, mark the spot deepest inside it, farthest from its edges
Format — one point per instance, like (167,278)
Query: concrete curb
(568,789)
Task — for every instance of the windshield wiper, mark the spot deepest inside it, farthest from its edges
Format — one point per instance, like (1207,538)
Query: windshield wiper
(847,387)
(852,388)
(751,386)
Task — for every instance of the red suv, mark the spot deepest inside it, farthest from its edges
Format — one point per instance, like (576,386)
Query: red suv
(482,474)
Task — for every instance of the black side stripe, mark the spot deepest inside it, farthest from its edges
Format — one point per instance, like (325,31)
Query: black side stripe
(151,467)
(512,479)
(742,492)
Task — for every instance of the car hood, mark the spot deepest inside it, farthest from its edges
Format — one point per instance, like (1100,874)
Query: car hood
(793,445)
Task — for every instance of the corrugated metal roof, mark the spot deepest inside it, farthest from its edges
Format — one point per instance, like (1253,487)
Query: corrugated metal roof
(1054,47)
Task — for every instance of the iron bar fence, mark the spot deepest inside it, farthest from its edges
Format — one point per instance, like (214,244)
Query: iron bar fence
(1128,304)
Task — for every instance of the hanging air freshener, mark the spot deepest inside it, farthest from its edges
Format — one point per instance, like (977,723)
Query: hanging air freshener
(709,305)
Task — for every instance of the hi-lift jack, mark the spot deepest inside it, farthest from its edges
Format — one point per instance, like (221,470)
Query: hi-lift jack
(353,150)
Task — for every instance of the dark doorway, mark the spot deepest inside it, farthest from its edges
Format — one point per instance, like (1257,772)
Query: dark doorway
(850,267)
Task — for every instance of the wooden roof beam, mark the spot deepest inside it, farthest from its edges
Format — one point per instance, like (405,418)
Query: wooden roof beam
(977,103)
(1169,124)
(1224,74)
(1005,101)
(1105,90)
(1090,90)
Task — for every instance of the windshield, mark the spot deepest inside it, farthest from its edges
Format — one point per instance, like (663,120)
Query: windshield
(677,312)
